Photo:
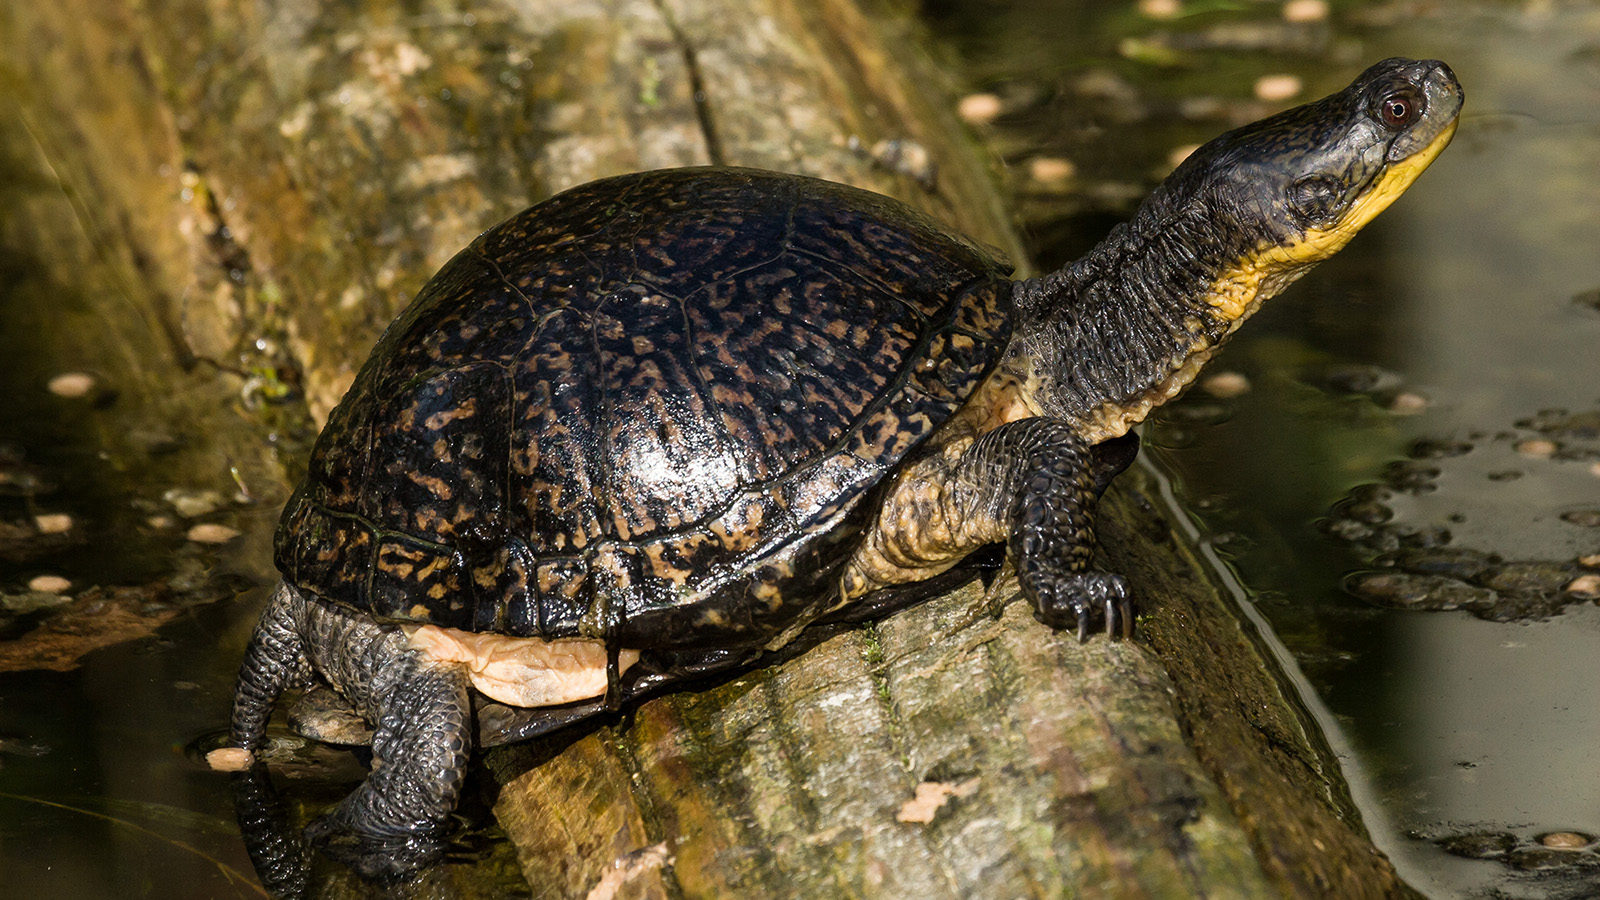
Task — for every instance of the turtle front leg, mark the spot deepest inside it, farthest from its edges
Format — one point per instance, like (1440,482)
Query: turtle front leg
(1031,484)
(1052,525)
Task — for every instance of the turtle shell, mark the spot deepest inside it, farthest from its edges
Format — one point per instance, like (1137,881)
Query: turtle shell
(647,410)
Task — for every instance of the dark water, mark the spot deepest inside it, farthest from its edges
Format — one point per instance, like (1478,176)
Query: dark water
(99,796)
(1456,307)
(111,806)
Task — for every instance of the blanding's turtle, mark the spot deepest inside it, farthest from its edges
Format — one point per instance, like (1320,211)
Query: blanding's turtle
(661,423)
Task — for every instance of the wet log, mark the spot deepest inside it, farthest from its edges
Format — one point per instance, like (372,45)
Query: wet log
(236,197)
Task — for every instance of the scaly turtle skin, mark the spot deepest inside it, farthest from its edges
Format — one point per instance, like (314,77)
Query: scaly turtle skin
(662,423)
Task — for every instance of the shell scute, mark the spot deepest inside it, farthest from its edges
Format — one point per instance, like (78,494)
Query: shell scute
(692,250)
(788,388)
(413,581)
(332,551)
(557,477)
(474,316)
(503,578)
(670,463)
(438,449)
(562,601)
(890,246)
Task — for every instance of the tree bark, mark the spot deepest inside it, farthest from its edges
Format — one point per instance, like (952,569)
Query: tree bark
(234,198)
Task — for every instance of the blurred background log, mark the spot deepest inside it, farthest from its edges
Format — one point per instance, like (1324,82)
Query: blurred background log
(218,204)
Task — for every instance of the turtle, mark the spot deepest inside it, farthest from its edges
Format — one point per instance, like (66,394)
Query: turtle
(665,423)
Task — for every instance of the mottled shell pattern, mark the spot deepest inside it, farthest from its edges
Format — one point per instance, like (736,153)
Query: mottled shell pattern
(647,410)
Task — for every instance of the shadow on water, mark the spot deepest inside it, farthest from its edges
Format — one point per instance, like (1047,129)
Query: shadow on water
(1466,310)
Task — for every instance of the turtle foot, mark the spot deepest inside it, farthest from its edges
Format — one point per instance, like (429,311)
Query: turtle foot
(1077,599)
(379,857)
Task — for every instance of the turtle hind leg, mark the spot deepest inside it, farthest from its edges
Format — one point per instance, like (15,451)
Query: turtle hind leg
(274,661)
(396,820)
(277,851)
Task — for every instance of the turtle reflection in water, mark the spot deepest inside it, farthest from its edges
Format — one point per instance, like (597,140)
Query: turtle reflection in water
(662,423)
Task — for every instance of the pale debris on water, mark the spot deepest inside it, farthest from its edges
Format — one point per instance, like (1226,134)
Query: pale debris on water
(1407,403)
(193,503)
(1585,587)
(53,523)
(229,759)
(71,384)
(980,109)
(1536,448)
(1226,385)
(1161,9)
(207,533)
(1306,11)
(1278,88)
(49,584)
(627,868)
(931,796)
(1051,170)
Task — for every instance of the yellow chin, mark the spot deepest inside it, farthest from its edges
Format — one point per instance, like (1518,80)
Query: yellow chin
(1235,295)
(1319,244)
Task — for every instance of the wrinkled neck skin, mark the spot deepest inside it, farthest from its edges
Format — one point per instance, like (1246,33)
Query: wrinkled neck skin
(1124,329)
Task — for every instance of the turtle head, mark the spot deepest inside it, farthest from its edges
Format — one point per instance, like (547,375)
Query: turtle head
(1238,221)
(1282,194)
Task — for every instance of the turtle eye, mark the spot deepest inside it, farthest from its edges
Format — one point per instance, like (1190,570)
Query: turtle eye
(1399,109)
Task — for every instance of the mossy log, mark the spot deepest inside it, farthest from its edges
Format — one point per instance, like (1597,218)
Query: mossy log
(235,197)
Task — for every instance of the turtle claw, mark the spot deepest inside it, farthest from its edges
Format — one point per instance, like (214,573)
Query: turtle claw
(1129,619)
(1081,597)
(1119,617)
